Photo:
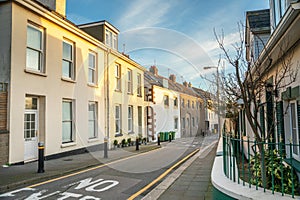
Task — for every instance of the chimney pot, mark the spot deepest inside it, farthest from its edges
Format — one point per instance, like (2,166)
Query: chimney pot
(154,70)
(173,78)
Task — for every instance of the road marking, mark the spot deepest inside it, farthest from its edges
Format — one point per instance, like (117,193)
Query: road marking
(89,169)
(162,175)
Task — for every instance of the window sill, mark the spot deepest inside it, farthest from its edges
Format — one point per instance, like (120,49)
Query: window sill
(118,91)
(68,80)
(129,93)
(130,132)
(35,72)
(92,85)
(139,95)
(91,140)
(118,135)
(295,163)
(68,144)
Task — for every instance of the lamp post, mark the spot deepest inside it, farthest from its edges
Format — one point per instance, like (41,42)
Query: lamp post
(218,96)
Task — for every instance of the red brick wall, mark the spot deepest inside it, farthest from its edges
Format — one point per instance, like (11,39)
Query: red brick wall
(3,111)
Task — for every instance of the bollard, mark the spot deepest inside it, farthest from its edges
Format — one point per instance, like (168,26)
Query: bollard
(105,148)
(41,158)
(158,140)
(170,137)
(137,144)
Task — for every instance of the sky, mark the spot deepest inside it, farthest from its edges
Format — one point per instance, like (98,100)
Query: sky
(175,35)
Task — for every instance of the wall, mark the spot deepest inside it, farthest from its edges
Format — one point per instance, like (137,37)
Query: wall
(51,87)
(5,39)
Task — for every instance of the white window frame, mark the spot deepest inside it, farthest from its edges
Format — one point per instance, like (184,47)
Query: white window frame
(71,61)
(92,69)
(129,81)
(130,119)
(118,122)
(71,120)
(41,51)
(140,119)
(93,133)
(118,77)
(139,85)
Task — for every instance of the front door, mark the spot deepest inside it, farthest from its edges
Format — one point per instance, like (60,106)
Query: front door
(30,129)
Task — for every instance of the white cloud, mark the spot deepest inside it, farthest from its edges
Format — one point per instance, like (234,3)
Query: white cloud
(141,13)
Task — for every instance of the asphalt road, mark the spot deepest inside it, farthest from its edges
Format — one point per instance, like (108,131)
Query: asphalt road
(116,180)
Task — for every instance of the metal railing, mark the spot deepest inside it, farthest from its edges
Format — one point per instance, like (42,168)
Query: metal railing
(265,165)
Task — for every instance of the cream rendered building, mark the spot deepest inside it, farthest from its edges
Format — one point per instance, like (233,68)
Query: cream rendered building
(57,76)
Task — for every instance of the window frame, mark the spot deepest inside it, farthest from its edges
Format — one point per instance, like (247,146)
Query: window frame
(41,51)
(129,81)
(175,102)
(93,69)
(176,123)
(118,119)
(72,120)
(72,61)
(94,120)
(130,119)
(118,82)
(166,100)
(139,85)
(295,118)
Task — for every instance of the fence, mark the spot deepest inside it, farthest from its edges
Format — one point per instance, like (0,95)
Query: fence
(265,165)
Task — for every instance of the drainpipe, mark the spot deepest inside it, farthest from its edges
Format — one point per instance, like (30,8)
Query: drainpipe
(106,86)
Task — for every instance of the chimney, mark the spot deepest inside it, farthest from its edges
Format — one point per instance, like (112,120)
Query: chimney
(190,84)
(58,6)
(154,70)
(185,84)
(173,78)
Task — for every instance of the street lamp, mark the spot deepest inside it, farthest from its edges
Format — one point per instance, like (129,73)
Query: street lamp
(218,95)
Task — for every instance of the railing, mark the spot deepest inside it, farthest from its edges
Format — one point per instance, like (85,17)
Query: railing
(265,165)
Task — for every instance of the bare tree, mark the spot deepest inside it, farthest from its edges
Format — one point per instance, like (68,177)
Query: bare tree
(254,80)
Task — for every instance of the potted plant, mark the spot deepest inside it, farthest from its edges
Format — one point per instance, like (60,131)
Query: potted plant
(129,141)
(123,143)
(115,143)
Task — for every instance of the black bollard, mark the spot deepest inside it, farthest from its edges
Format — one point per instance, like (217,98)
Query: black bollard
(105,148)
(170,137)
(41,158)
(137,143)
(158,140)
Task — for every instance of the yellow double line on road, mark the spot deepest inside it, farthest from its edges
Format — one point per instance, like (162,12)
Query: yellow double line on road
(162,175)
(89,169)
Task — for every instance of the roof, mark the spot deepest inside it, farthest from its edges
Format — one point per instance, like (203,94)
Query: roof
(102,22)
(258,19)
(151,79)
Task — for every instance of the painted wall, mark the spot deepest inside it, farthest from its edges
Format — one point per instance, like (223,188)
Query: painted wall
(164,116)
(51,88)
(123,98)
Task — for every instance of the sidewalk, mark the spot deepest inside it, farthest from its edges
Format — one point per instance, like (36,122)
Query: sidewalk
(190,181)
(18,175)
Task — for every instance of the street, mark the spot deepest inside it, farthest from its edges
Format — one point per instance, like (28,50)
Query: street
(115,180)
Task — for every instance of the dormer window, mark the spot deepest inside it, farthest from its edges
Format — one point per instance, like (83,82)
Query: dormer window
(111,39)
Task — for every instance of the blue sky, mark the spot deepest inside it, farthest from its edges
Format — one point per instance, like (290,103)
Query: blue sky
(176,35)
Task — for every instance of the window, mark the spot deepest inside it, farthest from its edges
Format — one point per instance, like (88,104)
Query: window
(193,121)
(130,119)
(93,115)
(111,39)
(183,123)
(294,126)
(140,117)
(188,104)
(193,104)
(68,60)
(166,100)
(68,123)
(139,84)
(118,77)
(129,81)
(175,102)
(118,119)
(182,103)
(176,123)
(35,49)
(92,68)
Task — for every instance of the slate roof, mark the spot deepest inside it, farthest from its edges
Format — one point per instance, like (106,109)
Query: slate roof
(259,19)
